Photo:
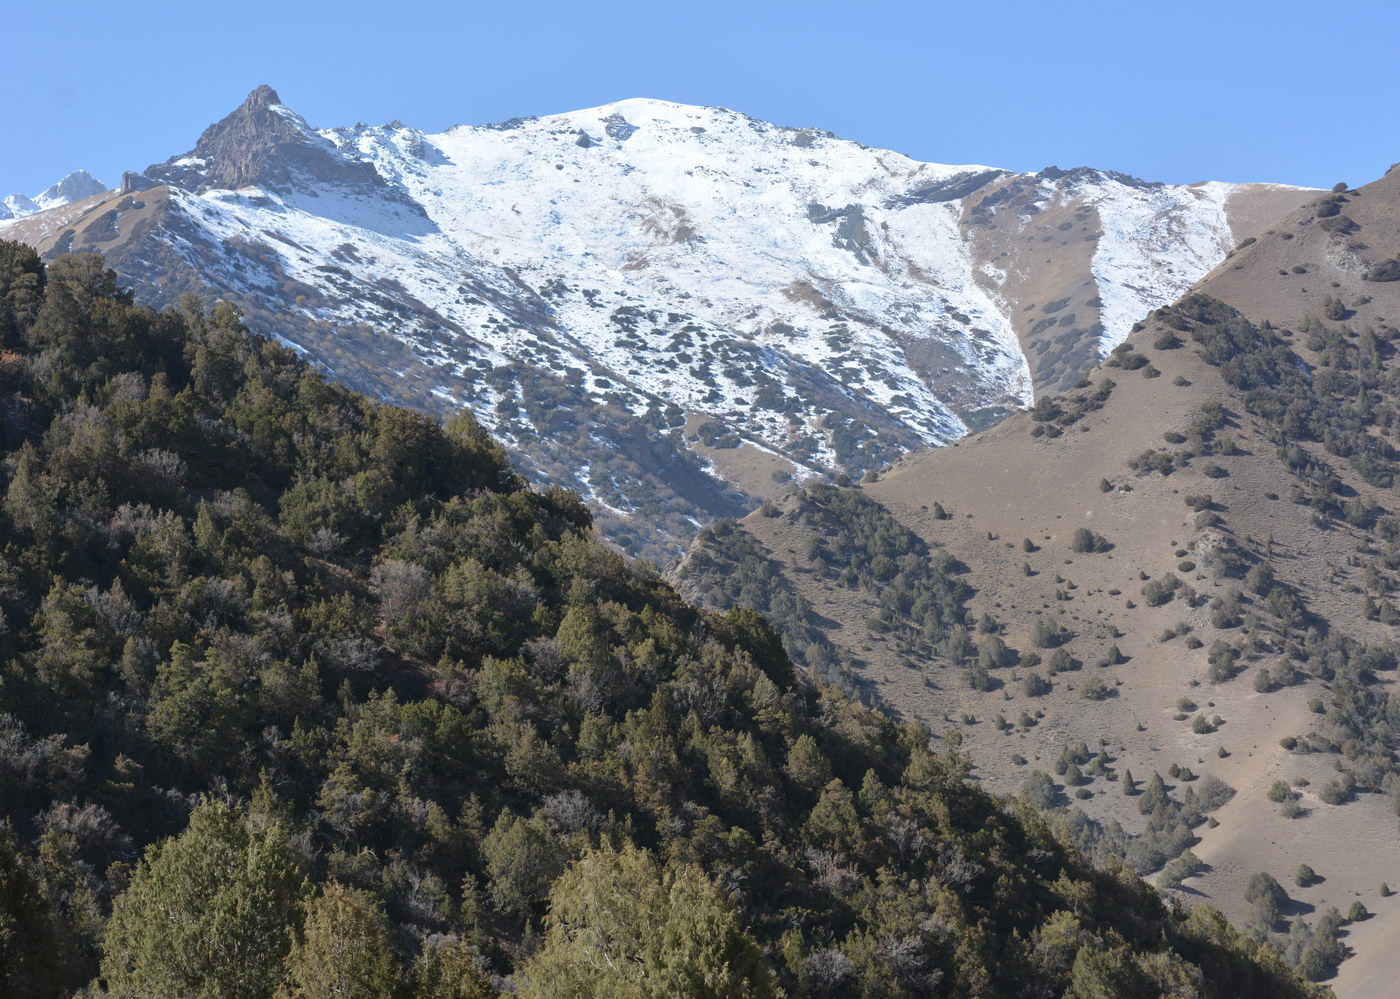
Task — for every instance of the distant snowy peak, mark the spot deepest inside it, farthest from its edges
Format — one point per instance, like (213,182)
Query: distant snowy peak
(75,187)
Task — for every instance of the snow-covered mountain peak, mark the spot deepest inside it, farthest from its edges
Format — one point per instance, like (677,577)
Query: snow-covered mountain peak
(659,303)
(75,187)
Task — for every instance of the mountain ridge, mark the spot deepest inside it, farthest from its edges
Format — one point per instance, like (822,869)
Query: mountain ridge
(722,298)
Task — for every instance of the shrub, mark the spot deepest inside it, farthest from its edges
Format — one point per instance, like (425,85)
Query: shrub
(1035,685)
(1266,897)
(1086,541)
(1304,876)
(1159,591)
(1357,912)
(1039,789)
(1095,690)
(1386,270)
(1046,634)
(1178,869)
(1335,792)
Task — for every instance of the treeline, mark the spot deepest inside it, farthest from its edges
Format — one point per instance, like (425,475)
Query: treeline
(303,695)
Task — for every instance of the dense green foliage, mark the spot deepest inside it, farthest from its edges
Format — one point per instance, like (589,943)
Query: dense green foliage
(305,695)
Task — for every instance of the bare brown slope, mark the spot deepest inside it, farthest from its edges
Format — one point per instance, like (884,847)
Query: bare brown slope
(1005,487)
(1323,250)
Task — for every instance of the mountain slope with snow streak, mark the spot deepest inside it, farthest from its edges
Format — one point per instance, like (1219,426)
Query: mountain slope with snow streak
(655,303)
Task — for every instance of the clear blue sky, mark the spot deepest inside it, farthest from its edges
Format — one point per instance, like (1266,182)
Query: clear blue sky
(1227,90)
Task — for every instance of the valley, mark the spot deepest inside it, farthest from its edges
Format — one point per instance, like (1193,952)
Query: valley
(1171,564)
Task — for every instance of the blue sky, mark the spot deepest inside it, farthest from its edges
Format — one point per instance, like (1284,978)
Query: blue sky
(1179,92)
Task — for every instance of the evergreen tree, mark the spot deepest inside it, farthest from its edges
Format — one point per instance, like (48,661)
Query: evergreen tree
(345,950)
(624,926)
(208,913)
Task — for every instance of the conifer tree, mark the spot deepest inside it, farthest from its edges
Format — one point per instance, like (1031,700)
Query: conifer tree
(207,914)
(345,950)
(623,926)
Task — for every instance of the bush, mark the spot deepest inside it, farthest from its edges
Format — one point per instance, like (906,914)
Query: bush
(1357,912)
(1035,685)
(1046,634)
(1266,897)
(1095,690)
(1386,270)
(1086,541)
(1159,591)
(1039,789)
(1177,870)
(1335,792)
(1304,876)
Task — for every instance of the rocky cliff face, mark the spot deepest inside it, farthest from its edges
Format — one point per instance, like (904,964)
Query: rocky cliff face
(677,310)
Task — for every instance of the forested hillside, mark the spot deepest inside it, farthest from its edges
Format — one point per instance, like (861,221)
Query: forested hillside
(304,695)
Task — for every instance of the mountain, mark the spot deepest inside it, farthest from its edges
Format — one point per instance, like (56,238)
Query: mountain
(677,310)
(1186,565)
(75,187)
(302,694)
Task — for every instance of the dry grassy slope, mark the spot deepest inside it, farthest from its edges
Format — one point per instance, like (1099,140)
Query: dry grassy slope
(86,225)
(1334,262)
(1003,485)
